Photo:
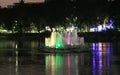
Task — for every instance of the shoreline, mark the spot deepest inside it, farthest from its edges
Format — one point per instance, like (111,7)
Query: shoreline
(101,36)
(88,36)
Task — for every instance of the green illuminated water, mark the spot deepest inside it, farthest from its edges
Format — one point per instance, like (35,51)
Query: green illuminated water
(59,41)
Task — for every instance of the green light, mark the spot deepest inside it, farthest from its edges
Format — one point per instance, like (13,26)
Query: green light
(46,60)
(58,45)
(55,41)
(59,61)
(59,41)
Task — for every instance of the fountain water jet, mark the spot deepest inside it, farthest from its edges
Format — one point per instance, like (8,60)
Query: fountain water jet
(64,39)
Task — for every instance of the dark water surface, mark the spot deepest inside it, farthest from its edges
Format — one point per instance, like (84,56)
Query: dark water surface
(24,58)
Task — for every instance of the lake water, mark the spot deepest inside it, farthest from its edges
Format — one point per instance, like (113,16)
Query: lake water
(25,58)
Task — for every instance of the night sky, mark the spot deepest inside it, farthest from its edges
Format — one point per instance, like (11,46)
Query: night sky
(4,3)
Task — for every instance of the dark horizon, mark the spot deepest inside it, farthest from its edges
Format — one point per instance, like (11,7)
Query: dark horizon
(55,13)
(4,3)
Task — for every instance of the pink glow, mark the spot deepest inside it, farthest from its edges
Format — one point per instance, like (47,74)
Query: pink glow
(34,0)
(4,3)
(68,61)
(68,41)
(68,64)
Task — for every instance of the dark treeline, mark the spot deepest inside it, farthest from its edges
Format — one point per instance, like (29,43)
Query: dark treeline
(55,12)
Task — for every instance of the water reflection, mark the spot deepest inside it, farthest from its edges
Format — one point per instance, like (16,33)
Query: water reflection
(54,64)
(101,58)
(81,64)
(7,44)
(60,64)
(18,57)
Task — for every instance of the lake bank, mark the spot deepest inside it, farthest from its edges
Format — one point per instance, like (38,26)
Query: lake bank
(88,36)
(100,36)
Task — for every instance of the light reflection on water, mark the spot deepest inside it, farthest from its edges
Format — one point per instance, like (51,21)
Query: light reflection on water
(57,64)
(70,64)
(96,63)
(101,58)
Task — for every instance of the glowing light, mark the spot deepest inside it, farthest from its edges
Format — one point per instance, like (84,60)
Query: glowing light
(68,39)
(101,61)
(104,26)
(16,46)
(58,61)
(59,41)
(92,30)
(68,60)
(47,28)
(47,42)
(53,39)
(63,39)
(53,29)
(16,62)
(100,28)
(54,64)
(3,31)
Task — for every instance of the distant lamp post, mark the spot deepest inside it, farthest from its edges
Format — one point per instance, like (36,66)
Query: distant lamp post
(14,26)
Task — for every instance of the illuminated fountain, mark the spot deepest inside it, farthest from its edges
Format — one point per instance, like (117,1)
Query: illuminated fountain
(64,39)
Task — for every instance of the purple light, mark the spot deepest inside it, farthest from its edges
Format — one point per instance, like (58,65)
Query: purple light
(99,57)
(93,46)
(94,64)
(103,27)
